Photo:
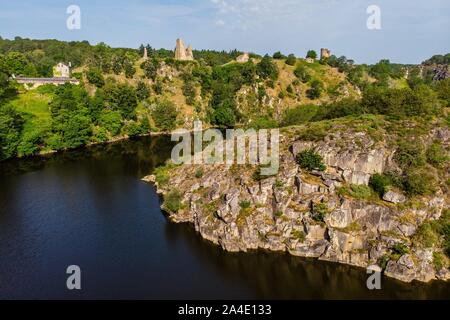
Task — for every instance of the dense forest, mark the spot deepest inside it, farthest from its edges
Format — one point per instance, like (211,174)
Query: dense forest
(123,95)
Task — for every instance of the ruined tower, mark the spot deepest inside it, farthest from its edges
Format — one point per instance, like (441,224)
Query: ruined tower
(183,53)
(145,53)
(324,53)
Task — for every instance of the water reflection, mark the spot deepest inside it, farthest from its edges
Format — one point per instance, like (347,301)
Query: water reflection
(92,201)
(282,276)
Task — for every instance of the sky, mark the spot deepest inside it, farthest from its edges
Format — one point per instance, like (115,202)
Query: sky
(411,30)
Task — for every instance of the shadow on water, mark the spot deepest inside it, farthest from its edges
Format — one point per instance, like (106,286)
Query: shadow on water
(93,197)
(275,275)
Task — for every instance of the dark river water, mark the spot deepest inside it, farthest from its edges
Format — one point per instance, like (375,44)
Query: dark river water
(89,208)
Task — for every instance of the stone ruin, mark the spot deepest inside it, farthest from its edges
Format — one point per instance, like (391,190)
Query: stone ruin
(243,58)
(183,53)
(324,53)
(145,57)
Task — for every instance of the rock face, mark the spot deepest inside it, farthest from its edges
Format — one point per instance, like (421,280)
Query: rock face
(304,214)
(394,197)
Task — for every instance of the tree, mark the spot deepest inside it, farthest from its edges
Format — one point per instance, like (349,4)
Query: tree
(142,91)
(165,115)
(129,68)
(291,60)
(150,68)
(122,97)
(189,92)
(223,117)
(310,160)
(111,121)
(11,124)
(95,77)
(267,69)
(420,182)
(302,73)
(77,130)
(17,63)
(381,71)
(311,54)
(117,64)
(315,91)
(278,55)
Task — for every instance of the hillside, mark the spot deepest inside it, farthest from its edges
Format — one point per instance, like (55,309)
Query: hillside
(122,95)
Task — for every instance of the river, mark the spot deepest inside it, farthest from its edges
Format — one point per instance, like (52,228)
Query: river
(89,208)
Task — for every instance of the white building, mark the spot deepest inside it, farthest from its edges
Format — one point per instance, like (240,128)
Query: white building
(61,71)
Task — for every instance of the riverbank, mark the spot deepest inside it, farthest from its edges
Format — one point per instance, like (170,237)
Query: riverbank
(330,215)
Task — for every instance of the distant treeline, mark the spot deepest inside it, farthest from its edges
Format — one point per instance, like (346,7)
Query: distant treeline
(39,56)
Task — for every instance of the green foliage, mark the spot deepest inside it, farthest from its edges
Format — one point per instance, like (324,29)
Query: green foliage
(342,63)
(410,154)
(134,129)
(311,54)
(278,55)
(405,102)
(299,115)
(18,64)
(263,123)
(302,73)
(356,76)
(245,204)
(223,117)
(142,91)
(70,118)
(95,77)
(150,68)
(129,68)
(189,91)
(338,109)
(162,174)
(100,135)
(310,160)
(438,59)
(111,121)
(267,69)
(319,211)
(437,155)
(158,87)
(426,235)
(439,261)
(420,182)
(199,173)
(442,89)
(165,115)
(380,183)
(398,250)
(122,98)
(291,60)
(172,201)
(11,125)
(29,143)
(360,191)
(299,235)
(434,234)
(315,91)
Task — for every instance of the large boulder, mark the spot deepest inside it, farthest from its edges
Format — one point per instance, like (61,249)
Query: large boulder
(394,197)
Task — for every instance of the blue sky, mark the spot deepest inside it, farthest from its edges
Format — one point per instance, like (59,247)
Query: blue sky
(411,30)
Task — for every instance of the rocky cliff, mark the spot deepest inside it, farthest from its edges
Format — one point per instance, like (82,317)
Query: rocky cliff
(315,213)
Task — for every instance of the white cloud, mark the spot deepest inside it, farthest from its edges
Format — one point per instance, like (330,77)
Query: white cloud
(220,23)
(253,14)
